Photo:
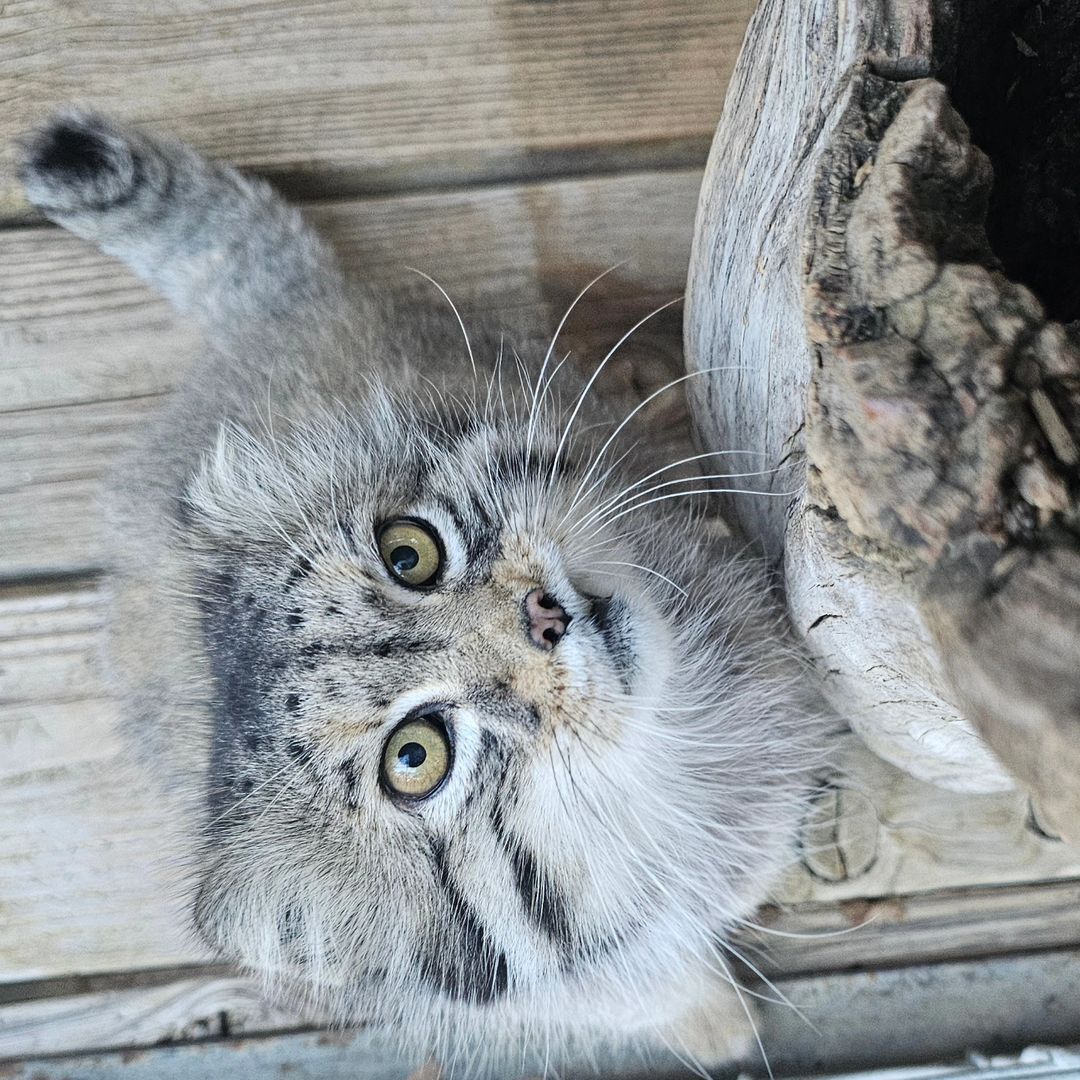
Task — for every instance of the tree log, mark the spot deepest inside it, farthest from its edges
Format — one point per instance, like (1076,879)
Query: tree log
(857,325)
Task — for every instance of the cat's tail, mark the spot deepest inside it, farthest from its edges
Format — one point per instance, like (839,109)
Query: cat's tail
(220,246)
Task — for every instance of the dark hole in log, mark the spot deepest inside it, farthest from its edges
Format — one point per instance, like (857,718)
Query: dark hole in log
(1014,75)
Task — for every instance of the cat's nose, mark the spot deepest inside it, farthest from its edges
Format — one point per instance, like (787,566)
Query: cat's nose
(546,618)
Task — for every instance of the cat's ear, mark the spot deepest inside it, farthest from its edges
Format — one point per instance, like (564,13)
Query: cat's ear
(243,490)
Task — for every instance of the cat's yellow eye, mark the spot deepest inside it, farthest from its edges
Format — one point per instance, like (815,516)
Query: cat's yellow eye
(416,758)
(411,551)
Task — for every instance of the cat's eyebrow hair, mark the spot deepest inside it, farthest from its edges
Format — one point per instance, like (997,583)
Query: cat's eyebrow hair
(512,466)
(476,536)
(480,971)
(478,510)
(542,899)
(301,570)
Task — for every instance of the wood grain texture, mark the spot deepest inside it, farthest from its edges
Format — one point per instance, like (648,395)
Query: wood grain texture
(855,1019)
(86,883)
(859,620)
(84,347)
(950,924)
(335,97)
(179,1011)
(916,1013)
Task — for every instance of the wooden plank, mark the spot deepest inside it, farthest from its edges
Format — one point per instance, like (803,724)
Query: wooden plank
(83,887)
(916,928)
(335,97)
(863,934)
(313,1056)
(851,1020)
(924,1013)
(84,346)
(923,837)
(77,326)
(80,886)
(180,1011)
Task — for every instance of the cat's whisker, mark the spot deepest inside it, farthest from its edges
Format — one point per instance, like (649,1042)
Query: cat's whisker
(753,1027)
(592,382)
(457,314)
(781,997)
(627,496)
(645,570)
(633,412)
(601,480)
(687,494)
(546,389)
(809,936)
(522,371)
(240,802)
(551,347)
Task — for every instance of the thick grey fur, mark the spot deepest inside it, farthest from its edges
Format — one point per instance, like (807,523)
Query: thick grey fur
(618,803)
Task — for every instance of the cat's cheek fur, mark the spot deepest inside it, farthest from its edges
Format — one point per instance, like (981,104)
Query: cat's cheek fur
(620,797)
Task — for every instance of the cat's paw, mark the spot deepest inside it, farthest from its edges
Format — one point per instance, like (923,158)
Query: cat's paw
(720,1030)
(79,162)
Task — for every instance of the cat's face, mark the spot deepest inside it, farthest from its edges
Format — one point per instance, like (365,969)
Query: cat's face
(469,750)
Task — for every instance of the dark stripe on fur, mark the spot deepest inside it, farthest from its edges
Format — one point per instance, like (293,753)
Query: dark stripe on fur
(240,657)
(541,897)
(393,645)
(464,964)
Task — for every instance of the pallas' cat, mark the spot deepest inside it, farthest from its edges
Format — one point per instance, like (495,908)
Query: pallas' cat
(480,730)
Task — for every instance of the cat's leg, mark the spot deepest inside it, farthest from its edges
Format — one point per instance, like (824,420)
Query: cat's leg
(720,1030)
(220,246)
(711,1024)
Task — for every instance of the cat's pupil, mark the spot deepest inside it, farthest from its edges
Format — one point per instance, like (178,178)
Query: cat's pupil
(404,559)
(412,755)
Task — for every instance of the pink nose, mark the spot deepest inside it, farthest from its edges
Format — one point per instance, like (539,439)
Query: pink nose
(547,620)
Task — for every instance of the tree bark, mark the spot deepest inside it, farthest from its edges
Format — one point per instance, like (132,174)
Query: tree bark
(855,326)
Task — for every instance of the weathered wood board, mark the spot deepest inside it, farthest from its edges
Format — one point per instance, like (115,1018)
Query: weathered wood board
(947,926)
(843,1020)
(331,96)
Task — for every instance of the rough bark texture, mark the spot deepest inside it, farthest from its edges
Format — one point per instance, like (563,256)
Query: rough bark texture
(931,410)
(941,423)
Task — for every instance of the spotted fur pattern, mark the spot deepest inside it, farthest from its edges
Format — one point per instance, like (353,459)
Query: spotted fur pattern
(618,802)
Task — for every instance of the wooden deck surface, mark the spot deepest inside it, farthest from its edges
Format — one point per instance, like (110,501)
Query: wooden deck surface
(510,149)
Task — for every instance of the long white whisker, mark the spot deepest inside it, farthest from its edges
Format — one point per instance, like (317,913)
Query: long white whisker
(240,802)
(555,338)
(453,308)
(592,379)
(601,480)
(633,412)
(685,494)
(644,569)
(624,497)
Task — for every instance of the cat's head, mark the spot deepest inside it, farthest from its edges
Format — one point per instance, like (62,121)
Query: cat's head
(484,745)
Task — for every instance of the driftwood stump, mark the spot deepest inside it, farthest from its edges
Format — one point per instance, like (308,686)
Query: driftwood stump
(877,314)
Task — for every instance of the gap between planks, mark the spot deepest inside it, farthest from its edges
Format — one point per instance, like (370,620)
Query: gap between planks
(837,1020)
